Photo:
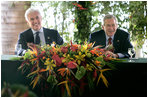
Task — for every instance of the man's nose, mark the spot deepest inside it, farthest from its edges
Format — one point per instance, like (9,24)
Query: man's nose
(111,27)
(35,20)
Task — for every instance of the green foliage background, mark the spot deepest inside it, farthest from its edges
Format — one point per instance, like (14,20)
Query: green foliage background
(133,13)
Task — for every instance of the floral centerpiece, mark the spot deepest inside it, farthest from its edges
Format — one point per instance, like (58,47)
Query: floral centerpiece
(67,65)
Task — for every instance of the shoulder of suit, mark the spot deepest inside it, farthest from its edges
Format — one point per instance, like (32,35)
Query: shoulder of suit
(26,31)
(122,31)
(51,30)
(98,32)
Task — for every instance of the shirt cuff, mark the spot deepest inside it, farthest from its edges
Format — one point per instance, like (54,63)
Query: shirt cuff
(23,53)
(120,55)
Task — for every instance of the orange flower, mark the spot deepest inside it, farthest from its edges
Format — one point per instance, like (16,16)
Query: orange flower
(99,53)
(73,21)
(90,45)
(44,57)
(64,71)
(97,63)
(34,50)
(93,51)
(74,47)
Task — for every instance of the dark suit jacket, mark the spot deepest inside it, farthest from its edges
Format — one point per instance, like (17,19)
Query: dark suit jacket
(27,37)
(121,41)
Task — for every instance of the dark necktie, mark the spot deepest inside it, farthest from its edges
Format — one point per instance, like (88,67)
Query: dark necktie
(37,38)
(110,41)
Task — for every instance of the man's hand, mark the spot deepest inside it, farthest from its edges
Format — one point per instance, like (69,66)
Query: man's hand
(29,44)
(111,54)
(97,46)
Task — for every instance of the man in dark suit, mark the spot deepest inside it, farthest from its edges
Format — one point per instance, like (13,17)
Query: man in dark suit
(112,35)
(36,34)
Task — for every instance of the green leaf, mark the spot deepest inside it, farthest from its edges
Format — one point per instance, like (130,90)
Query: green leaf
(16,58)
(52,79)
(80,73)
(100,58)
(90,81)
(27,55)
(112,66)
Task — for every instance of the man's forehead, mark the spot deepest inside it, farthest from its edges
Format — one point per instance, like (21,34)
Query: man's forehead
(32,15)
(110,21)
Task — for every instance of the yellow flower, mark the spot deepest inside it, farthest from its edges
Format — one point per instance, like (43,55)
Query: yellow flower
(89,67)
(42,49)
(84,48)
(80,57)
(50,64)
(67,58)
(88,55)
(58,49)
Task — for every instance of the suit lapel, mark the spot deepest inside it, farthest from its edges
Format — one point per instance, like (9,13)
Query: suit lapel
(116,41)
(103,39)
(47,36)
(30,37)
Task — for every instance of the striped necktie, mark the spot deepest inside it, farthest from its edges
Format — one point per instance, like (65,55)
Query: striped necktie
(37,38)
(110,41)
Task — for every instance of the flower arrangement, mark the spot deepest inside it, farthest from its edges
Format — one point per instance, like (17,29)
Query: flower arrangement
(67,65)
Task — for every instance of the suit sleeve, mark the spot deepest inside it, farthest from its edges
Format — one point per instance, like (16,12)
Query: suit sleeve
(59,39)
(127,45)
(21,45)
(93,38)
(90,38)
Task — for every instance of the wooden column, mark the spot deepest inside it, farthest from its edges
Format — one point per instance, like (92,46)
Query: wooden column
(12,23)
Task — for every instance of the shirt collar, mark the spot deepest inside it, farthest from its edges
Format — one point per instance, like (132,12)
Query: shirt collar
(107,37)
(41,30)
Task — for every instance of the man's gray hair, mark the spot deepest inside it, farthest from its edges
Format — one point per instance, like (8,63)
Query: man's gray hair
(109,16)
(30,10)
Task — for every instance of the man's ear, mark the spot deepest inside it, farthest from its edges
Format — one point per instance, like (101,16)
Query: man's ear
(27,22)
(41,18)
(117,25)
(103,27)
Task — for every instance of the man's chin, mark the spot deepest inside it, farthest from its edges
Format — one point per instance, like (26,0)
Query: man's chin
(111,34)
(36,29)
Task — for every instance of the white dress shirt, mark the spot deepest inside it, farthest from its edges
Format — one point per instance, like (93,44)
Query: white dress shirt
(41,35)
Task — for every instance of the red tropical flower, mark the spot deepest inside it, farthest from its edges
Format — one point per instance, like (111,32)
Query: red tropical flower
(95,74)
(74,47)
(57,59)
(72,65)
(78,5)
(64,49)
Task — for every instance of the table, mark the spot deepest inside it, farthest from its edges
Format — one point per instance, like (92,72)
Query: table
(128,80)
